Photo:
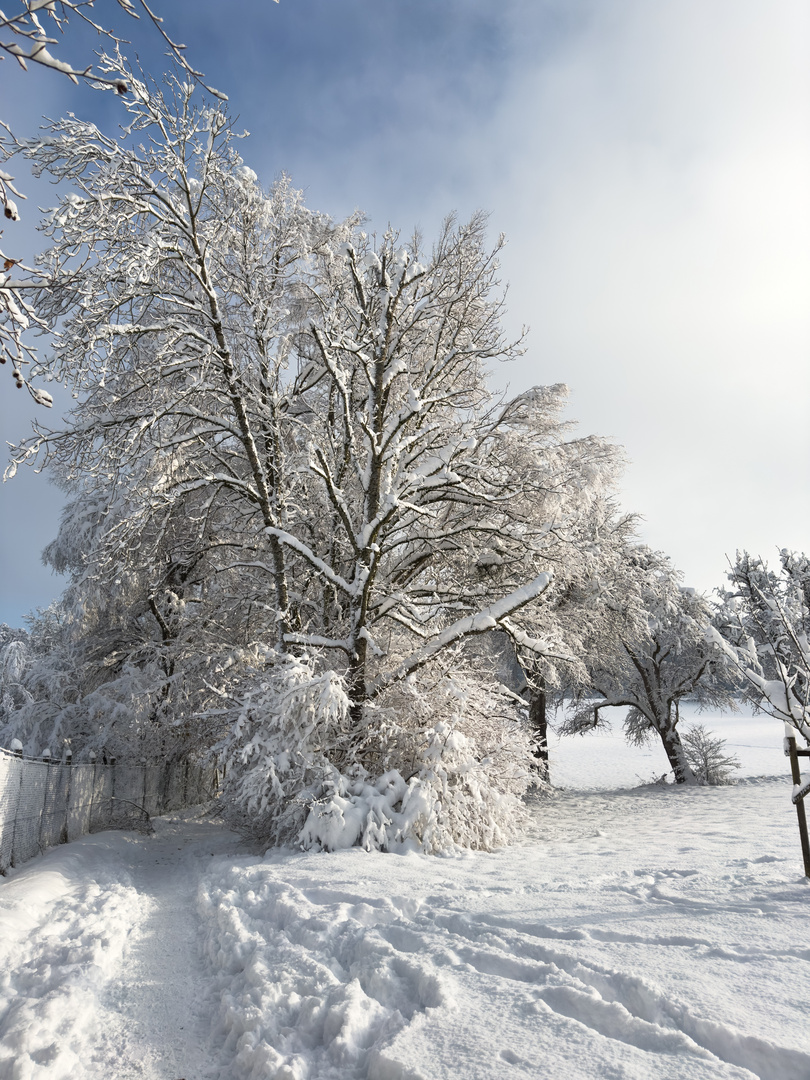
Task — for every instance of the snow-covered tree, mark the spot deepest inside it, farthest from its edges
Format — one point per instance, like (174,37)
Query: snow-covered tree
(407,472)
(290,481)
(646,650)
(175,457)
(762,627)
(561,514)
(15,660)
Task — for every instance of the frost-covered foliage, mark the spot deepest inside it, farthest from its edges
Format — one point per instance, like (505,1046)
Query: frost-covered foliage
(77,691)
(707,756)
(644,648)
(15,660)
(762,627)
(289,478)
(291,723)
(298,772)
(452,800)
(30,31)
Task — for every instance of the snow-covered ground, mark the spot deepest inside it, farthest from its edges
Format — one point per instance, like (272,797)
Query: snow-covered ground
(645,933)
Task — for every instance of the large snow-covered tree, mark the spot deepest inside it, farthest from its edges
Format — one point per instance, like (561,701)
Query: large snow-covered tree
(290,481)
(410,468)
(181,329)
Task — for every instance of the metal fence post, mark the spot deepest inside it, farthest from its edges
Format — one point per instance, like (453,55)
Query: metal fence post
(63,839)
(112,787)
(18,750)
(46,757)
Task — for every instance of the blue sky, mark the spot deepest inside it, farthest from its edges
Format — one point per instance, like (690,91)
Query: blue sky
(649,164)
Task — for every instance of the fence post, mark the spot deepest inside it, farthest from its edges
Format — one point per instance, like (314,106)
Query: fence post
(93,791)
(46,757)
(69,766)
(16,746)
(793,754)
(112,789)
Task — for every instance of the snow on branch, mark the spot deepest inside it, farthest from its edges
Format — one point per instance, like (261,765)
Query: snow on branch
(481,623)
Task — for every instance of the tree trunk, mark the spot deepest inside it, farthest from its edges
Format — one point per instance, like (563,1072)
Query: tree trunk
(674,750)
(357,690)
(538,722)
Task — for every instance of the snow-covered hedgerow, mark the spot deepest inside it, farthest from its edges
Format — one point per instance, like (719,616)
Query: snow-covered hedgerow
(447,772)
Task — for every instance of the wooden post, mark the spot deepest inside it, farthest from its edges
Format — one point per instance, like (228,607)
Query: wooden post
(793,754)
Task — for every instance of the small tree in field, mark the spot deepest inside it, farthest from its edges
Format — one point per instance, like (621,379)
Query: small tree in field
(647,651)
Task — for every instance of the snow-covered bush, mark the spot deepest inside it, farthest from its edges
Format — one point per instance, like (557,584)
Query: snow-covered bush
(452,801)
(707,757)
(297,772)
(277,754)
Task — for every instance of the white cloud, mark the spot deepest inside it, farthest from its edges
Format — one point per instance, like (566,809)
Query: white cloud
(656,196)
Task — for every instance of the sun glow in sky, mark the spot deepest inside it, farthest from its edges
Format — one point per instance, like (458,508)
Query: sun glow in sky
(648,163)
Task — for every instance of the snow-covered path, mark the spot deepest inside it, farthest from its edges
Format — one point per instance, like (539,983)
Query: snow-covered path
(156,1015)
(655,932)
(102,971)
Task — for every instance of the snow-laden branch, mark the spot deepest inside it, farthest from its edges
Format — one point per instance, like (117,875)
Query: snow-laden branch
(318,564)
(480,623)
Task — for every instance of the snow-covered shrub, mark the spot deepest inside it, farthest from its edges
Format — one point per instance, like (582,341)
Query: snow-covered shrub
(431,771)
(707,757)
(452,801)
(277,755)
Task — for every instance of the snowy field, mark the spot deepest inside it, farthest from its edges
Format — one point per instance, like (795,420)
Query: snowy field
(650,933)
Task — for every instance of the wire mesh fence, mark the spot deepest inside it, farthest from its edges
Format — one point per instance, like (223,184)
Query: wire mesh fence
(45,803)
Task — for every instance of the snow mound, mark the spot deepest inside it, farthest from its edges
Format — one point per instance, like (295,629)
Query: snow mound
(64,922)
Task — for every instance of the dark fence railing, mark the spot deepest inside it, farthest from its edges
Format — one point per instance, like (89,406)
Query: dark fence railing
(46,803)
